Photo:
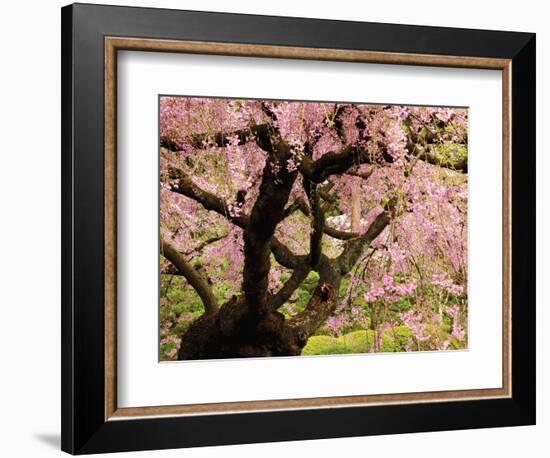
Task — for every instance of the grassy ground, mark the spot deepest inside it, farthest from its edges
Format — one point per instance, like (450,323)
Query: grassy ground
(180,305)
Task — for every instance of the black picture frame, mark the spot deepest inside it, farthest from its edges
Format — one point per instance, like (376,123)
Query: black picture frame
(84,428)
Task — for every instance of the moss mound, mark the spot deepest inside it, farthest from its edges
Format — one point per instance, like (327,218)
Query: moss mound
(393,340)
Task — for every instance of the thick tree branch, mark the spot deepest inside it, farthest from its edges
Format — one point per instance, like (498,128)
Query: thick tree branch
(317,223)
(300,205)
(170,145)
(322,303)
(338,123)
(432,155)
(324,192)
(340,235)
(205,243)
(282,254)
(291,285)
(337,163)
(268,111)
(185,186)
(324,300)
(354,171)
(332,163)
(260,133)
(195,279)
(172,270)
(267,212)
(423,144)
(355,247)
(420,144)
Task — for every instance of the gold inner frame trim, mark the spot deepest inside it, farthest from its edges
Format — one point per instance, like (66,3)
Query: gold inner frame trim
(112,45)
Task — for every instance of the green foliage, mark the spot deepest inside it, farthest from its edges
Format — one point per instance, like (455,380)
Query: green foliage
(396,339)
(302,295)
(450,153)
(403,305)
(324,345)
(391,340)
(166,348)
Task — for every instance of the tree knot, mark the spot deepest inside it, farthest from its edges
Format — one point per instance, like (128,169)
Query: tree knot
(327,292)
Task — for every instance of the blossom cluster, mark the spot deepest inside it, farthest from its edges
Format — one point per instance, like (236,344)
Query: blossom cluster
(390,290)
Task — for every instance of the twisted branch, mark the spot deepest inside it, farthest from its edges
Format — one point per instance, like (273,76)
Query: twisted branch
(195,279)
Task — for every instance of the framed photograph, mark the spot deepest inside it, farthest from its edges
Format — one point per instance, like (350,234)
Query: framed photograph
(283,228)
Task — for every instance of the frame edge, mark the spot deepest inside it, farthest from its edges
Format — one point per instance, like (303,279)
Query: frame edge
(67,369)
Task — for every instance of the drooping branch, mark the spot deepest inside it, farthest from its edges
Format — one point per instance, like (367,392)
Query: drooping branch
(195,279)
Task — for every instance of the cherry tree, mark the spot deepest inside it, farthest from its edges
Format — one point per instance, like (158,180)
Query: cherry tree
(258,196)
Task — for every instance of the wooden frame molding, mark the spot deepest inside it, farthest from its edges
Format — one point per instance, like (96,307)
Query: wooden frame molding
(112,45)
